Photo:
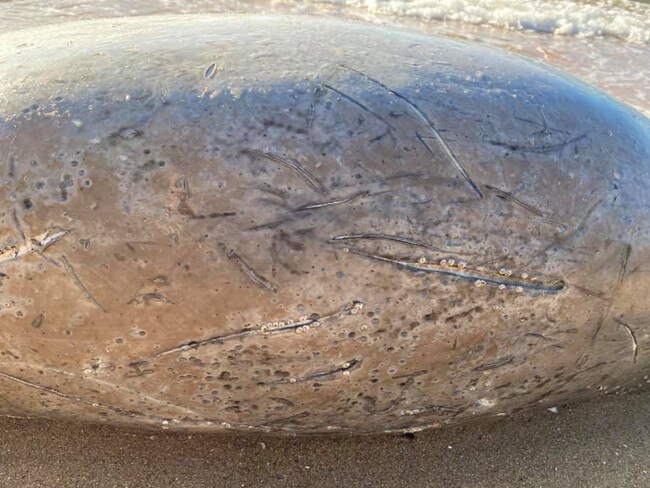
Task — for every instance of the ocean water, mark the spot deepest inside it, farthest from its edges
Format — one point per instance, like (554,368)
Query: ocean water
(603,42)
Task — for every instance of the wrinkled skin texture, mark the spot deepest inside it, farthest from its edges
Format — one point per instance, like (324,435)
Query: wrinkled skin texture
(308,226)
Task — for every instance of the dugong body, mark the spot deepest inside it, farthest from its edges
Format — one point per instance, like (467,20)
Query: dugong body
(300,225)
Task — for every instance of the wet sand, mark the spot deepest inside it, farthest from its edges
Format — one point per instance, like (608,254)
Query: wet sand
(601,444)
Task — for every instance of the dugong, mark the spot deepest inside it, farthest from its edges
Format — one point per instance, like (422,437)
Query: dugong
(299,225)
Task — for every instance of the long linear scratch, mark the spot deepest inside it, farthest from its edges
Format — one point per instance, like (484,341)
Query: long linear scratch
(586,370)
(140,395)
(98,381)
(89,296)
(343,370)
(214,215)
(400,239)
(630,331)
(438,409)
(248,271)
(538,336)
(59,393)
(339,201)
(540,149)
(583,222)
(311,180)
(568,236)
(270,225)
(414,174)
(494,364)
(268,329)
(95,404)
(11,167)
(415,374)
(453,159)
(303,209)
(290,419)
(146,298)
(511,198)
(19,226)
(476,275)
(530,208)
(360,105)
(429,123)
(625,256)
(36,244)
(546,129)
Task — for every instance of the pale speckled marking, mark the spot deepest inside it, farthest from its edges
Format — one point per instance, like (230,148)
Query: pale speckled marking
(36,244)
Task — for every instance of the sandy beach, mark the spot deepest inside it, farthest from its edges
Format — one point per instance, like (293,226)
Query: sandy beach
(595,445)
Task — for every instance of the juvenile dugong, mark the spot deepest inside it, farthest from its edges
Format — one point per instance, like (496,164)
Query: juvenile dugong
(298,225)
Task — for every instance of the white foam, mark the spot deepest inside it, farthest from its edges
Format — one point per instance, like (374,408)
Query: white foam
(624,19)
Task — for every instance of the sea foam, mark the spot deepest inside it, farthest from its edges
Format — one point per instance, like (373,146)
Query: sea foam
(624,19)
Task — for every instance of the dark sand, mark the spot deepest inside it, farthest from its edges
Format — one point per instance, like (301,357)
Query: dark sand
(601,444)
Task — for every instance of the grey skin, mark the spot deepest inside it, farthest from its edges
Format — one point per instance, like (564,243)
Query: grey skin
(300,226)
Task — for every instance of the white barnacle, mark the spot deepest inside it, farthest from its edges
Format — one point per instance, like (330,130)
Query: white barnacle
(462,264)
(519,289)
(292,380)
(524,275)
(443,262)
(479,283)
(422,260)
(502,287)
(452,262)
